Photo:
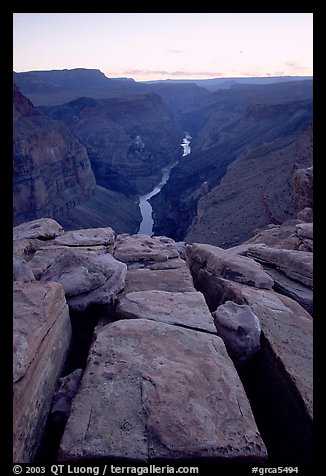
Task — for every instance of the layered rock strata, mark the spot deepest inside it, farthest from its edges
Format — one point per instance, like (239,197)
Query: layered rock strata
(129,139)
(155,391)
(52,172)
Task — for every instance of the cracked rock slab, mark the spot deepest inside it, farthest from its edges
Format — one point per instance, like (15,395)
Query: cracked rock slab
(187,309)
(155,391)
(297,265)
(216,261)
(87,237)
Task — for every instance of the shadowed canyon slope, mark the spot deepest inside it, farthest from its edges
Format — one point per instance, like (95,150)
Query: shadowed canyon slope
(52,172)
(128,139)
(260,127)
(247,140)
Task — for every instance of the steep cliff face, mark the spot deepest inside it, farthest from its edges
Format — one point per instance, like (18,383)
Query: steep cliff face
(52,172)
(257,190)
(129,139)
(243,125)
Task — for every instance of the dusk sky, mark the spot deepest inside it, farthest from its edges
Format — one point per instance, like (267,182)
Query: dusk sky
(148,46)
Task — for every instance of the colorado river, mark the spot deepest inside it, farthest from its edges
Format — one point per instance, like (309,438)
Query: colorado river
(146,226)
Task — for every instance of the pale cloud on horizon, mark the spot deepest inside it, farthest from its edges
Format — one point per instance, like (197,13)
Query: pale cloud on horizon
(178,73)
(175,51)
(295,66)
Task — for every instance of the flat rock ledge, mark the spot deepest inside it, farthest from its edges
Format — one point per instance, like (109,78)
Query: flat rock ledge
(187,309)
(228,265)
(152,390)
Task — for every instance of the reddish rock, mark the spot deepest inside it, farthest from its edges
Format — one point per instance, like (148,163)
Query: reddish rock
(43,229)
(42,335)
(231,266)
(298,265)
(87,279)
(153,390)
(187,309)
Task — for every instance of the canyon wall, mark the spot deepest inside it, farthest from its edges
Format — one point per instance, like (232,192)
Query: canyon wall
(51,169)
(267,130)
(129,139)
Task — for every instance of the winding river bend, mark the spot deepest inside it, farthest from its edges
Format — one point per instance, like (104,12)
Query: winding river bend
(146,226)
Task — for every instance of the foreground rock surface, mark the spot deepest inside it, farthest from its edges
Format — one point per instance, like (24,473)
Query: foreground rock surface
(152,390)
(186,309)
(42,336)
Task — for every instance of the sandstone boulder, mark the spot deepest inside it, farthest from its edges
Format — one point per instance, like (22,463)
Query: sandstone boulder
(228,265)
(187,309)
(44,229)
(46,255)
(174,276)
(298,265)
(142,249)
(239,327)
(87,279)
(306,215)
(152,390)
(87,237)
(25,247)
(41,340)
(22,270)
(305,230)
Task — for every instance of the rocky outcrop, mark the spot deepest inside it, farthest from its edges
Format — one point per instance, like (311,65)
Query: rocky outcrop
(163,378)
(286,353)
(160,392)
(41,340)
(298,265)
(52,172)
(22,270)
(144,250)
(217,261)
(187,309)
(42,229)
(86,279)
(88,237)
